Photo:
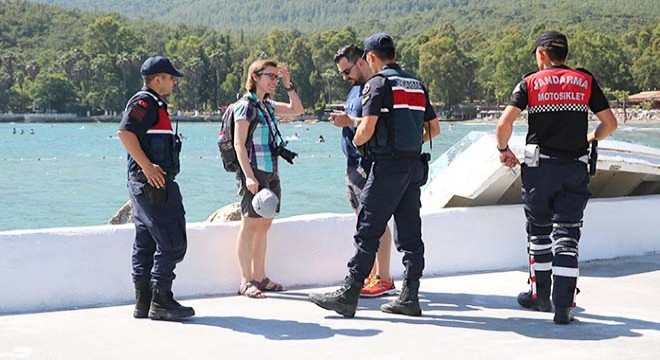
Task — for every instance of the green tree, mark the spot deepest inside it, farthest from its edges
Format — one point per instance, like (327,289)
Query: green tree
(646,71)
(53,92)
(445,70)
(193,91)
(106,35)
(506,65)
(602,55)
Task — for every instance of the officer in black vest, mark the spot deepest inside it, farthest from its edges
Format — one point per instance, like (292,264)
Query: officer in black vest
(153,163)
(397,119)
(554,176)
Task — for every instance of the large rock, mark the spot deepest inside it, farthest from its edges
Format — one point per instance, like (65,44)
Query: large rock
(124,215)
(231,212)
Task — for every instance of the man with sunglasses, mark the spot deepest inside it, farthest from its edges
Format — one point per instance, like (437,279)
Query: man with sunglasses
(354,69)
(153,162)
(397,117)
(555,179)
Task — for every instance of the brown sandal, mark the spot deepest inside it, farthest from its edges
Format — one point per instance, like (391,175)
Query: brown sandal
(251,290)
(269,285)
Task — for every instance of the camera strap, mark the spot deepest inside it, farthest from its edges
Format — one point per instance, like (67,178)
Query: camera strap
(270,118)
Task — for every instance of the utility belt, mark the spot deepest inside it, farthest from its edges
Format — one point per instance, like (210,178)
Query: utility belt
(402,155)
(583,158)
(143,179)
(533,156)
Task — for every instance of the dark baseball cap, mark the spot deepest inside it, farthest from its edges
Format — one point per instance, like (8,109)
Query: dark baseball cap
(552,39)
(379,41)
(157,65)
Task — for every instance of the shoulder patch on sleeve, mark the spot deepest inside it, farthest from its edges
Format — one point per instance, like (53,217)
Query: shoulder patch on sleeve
(143,103)
(365,99)
(366,89)
(137,111)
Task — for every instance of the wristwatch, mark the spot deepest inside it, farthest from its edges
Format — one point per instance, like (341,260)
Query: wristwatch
(506,148)
(291,87)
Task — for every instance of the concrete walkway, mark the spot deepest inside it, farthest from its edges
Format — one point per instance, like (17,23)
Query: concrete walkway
(468,316)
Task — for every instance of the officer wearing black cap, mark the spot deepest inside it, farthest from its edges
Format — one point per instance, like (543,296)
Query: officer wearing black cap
(153,163)
(554,175)
(397,119)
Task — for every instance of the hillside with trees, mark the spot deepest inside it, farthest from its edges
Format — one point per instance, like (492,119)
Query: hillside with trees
(405,18)
(66,60)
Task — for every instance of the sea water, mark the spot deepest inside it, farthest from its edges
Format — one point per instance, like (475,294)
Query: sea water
(75,174)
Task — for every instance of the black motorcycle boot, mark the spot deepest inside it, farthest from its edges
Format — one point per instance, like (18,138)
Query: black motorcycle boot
(164,307)
(343,301)
(563,315)
(142,300)
(408,301)
(526,300)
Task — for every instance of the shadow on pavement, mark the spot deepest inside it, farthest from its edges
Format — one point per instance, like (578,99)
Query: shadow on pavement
(586,327)
(273,329)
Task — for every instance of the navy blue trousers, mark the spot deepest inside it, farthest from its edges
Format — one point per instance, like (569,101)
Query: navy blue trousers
(392,189)
(555,195)
(160,235)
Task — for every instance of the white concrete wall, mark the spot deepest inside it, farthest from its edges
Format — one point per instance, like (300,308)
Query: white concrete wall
(87,266)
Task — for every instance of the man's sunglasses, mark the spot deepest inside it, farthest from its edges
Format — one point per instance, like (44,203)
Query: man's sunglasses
(347,70)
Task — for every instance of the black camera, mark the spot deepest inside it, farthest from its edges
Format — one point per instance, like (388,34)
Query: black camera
(285,153)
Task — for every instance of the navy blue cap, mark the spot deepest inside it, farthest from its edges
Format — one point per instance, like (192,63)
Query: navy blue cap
(551,39)
(379,41)
(157,65)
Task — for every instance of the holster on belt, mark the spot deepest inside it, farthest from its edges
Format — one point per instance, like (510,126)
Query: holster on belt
(155,196)
(593,157)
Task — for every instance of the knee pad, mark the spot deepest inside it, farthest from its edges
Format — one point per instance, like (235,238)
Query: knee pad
(566,246)
(539,245)
(567,229)
(538,229)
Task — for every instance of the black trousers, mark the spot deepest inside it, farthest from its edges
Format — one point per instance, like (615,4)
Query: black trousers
(160,235)
(555,195)
(392,189)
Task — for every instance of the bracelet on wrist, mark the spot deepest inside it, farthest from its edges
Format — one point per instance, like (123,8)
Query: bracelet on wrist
(290,88)
(506,148)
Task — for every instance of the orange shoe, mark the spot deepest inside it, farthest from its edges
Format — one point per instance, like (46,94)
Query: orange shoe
(378,287)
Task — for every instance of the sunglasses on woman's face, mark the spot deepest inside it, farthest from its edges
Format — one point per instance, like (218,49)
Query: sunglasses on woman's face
(271,76)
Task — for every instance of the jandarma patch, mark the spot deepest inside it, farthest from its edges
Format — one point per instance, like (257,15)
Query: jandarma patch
(365,98)
(137,112)
(366,89)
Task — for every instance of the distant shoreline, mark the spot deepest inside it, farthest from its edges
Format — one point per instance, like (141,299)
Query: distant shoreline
(634,117)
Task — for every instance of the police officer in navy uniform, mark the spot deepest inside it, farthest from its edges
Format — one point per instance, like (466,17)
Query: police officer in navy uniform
(153,163)
(397,119)
(555,177)
(354,69)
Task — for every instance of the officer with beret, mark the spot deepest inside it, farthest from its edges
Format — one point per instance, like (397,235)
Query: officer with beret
(153,163)
(555,178)
(397,117)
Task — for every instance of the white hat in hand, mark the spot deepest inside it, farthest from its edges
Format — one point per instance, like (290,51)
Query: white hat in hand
(265,203)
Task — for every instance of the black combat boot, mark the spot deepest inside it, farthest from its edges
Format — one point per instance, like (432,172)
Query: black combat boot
(142,299)
(408,301)
(344,301)
(563,315)
(164,307)
(525,300)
